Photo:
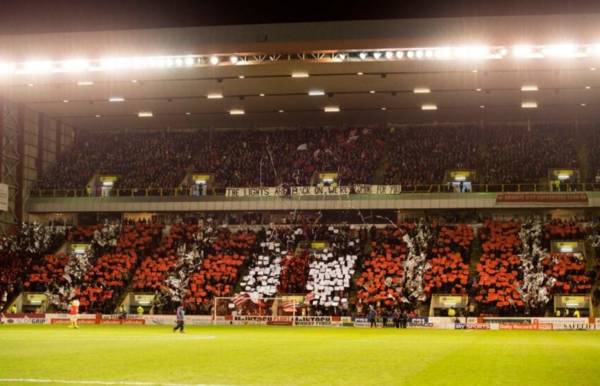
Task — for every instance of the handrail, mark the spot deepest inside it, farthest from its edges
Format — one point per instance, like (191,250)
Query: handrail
(431,188)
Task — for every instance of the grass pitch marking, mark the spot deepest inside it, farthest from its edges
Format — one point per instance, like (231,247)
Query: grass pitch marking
(173,338)
(88,382)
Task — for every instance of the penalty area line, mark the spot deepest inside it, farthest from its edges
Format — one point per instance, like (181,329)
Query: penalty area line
(90,382)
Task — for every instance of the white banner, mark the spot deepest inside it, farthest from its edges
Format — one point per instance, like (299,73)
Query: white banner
(313,191)
(3,197)
(255,192)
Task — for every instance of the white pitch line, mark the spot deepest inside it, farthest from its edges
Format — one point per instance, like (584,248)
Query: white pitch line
(88,382)
(114,338)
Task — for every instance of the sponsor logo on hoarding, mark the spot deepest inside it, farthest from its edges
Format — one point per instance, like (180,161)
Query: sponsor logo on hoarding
(420,321)
(471,326)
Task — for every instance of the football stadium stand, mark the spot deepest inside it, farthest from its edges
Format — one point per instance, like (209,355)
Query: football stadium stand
(408,156)
(342,189)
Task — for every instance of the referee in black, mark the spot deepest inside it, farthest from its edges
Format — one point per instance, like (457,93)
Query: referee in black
(180,319)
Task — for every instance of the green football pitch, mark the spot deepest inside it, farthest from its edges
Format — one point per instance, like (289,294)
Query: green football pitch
(228,355)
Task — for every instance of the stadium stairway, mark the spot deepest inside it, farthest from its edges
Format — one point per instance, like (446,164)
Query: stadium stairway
(591,265)
(379,175)
(475,253)
(129,289)
(583,155)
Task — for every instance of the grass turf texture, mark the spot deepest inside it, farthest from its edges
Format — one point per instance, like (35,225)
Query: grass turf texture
(234,355)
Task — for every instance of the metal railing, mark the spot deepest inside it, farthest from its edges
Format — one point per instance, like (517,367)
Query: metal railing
(435,188)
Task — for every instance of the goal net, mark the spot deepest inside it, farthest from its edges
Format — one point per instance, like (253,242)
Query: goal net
(245,309)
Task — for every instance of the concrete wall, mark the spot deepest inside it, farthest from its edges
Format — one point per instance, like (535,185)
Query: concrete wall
(28,145)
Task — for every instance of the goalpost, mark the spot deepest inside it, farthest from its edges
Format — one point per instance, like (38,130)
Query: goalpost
(244,309)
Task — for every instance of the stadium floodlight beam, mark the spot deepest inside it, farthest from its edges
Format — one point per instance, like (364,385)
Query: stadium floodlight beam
(236,112)
(116,99)
(73,65)
(109,64)
(214,60)
(38,66)
(234,59)
(363,55)
(560,50)
(331,109)
(145,114)
(475,52)
(429,107)
(526,51)
(215,95)
(421,90)
(7,68)
(316,93)
(529,105)
(443,53)
(300,74)
(189,61)
(529,87)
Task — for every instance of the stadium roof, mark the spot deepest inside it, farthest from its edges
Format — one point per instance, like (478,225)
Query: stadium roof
(390,71)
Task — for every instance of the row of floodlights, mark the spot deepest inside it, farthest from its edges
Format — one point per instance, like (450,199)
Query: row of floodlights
(336,109)
(149,114)
(320,92)
(477,52)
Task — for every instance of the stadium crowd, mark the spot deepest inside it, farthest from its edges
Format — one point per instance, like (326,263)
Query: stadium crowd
(497,287)
(401,155)
(342,269)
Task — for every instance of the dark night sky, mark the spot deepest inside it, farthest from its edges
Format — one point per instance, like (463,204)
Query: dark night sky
(33,16)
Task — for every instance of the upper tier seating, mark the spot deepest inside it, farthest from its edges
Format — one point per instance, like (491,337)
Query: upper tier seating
(404,155)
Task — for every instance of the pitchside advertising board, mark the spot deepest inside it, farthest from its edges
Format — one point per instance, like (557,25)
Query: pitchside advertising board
(24,319)
(487,323)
